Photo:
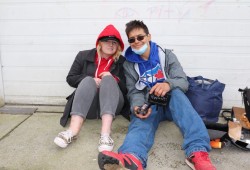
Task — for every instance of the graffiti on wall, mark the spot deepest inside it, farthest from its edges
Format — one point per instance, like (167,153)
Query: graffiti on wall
(170,10)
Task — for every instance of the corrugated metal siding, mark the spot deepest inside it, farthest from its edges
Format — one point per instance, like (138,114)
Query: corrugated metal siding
(1,86)
(40,39)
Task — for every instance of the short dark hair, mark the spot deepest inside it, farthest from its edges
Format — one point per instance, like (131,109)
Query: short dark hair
(136,24)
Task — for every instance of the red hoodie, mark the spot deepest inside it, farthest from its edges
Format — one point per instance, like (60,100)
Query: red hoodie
(110,30)
(105,64)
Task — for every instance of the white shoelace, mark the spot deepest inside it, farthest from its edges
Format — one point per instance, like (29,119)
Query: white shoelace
(67,136)
(106,140)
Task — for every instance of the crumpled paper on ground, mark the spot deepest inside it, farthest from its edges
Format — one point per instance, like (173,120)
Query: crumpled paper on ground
(234,130)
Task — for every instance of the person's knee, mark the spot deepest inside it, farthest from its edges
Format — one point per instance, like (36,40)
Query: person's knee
(87,80)
(178,96)
(176,91)
(108,78)
(108,82)
(87,84)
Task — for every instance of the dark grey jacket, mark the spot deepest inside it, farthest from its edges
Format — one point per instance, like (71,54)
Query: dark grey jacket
(173,72)
(84,65)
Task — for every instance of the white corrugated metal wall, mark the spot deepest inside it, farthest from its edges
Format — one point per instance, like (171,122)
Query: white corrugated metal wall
(1,85)
(39,40)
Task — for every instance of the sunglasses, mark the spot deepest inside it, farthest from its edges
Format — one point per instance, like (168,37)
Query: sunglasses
(109,42)
(139,38)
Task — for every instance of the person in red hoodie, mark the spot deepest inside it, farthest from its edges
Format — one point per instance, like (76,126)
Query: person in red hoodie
(97,75)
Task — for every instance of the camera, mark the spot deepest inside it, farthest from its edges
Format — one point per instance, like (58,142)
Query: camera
(153,99)
(159,100)
(144,108)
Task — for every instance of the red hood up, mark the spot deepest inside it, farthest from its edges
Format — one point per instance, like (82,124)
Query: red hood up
(111,32)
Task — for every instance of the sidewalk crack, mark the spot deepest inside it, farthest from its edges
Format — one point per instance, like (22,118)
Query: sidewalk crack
(7,134)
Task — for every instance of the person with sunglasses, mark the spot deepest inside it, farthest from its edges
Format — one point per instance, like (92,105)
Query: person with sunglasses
(150,70)
(98,76)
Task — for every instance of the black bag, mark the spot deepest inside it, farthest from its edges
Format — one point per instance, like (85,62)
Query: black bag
(205,96)
(246,99)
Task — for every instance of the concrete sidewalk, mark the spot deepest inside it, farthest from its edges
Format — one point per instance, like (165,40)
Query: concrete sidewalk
(26,143)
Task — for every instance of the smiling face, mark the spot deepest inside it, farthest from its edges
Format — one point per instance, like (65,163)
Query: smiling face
(108,48)
(137,38)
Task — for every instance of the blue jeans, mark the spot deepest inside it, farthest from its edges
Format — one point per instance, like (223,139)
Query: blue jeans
(141,132)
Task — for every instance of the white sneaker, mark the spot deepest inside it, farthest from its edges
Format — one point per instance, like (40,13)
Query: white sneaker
(64,138)
(106,143)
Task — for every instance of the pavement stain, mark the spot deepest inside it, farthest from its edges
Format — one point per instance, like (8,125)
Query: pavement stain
(120,129)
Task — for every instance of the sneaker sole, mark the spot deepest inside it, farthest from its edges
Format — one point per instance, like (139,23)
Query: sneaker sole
(105,148)
(109,163)
(60,142)
(189,164)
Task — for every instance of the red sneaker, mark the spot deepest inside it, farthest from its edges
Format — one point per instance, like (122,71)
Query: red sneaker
(200,161)
(108,160)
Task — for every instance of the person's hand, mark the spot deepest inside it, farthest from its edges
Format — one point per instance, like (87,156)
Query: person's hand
(140,115)
(160,89)
(104,74)
(98,82)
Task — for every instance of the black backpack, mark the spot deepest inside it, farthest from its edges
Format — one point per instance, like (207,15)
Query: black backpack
(246,99)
